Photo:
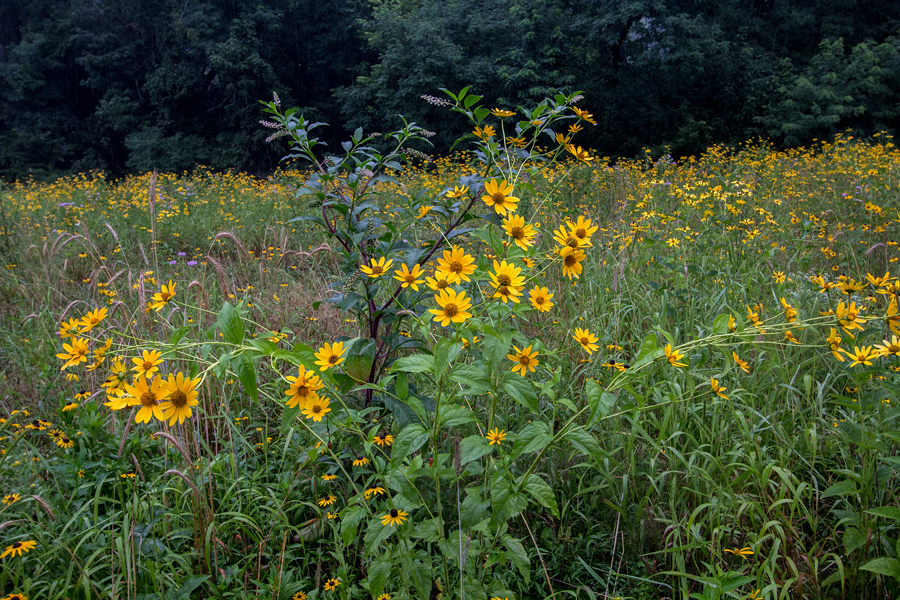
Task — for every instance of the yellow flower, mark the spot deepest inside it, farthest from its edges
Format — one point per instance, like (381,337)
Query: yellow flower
(718,389)
(395,517)
(848,317)
(375,490)
(742,552)
(69,328)
(779,277)
(329,477)
(64,442)
(507,282)
(330,355)
(75,353)
(495,436)
(586,339)
(17,548)
(498,197)
(790,313)
(455,265)
(540,298)
(304,388)
(892,316)
(571,261)
(860,356)
(525,360)
(385,440)
(673,356)
(485,133)
(584,115)
(499,112)
(742,364)
(889,347)
(148,363)
(10,498)
(161,298)
(92,319)
(328,501)
(376,268)
(180,393)
(789,336)
(332,584)
(69,406)
(360,461)
(409,278)
(564,236)
(834,344)
(582,230)
(147,395)
(454,307)
(523,235)
(316,409)
(299,596)
(438,282)
(579,154)
(423,210)
(458,191)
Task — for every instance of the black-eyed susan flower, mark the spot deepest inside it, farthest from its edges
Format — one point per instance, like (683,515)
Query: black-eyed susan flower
(455,265)
(525,359)
(376,267)
(69,406)
(16,597)
(147,394)
(74,353)
(540,298)
(740,363)
(522,234)
(834,344)
(162,297)
(586,340)
(571,261)
(329,477)
(395,517)
(17,548)
(673,356)
(92,319)
(10,498)
(719,390)
(330,355)
(330,515)
(299,596)
(332,585)
(498,196)
(360,461)
(495,436)
(303,389)
(65,443)
(453,307)
(384,440)
(409,278)
(180,395)
(328,500)
(778,276)
(316,409)
(148,363)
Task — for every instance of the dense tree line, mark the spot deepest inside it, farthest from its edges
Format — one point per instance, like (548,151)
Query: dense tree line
(126,85)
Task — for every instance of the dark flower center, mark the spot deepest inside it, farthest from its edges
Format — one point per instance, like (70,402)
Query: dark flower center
(393,513)
(178,398)
(148,398)
(450,310)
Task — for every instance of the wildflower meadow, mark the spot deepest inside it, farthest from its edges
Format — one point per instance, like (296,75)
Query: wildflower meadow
(518,371)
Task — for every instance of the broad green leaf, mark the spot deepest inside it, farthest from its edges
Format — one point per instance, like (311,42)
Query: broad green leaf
(473,509)
(445,352)
(506,501)
(229,323)
(430,530)
(188,586)
(350,519)
(522,392)
(379,572)
(402,386)
(455,415)
(533,437)
(542,492)
(408,441)
(584,442)
(841,488)
(517,555)
(376,533)
(417,363)
(886,512)
(246,372)
(473,379)
(889,567)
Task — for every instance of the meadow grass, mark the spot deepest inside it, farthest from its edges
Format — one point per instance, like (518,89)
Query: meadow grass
(784,485)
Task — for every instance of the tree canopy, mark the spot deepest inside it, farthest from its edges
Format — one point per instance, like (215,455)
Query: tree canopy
(129,85)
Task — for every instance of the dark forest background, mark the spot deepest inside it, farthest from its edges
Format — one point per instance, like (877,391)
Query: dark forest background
(128,85)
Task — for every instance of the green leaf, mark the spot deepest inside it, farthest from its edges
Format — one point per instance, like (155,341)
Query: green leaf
(402,386)
(517,555)
(189,585)
(408,441)
(379,572)
(350,519)
(474,379)
(229,323)
(417,363)
(506,501)
(600,401)
(585,443)
(445,352)
(179,334)
(455,415)
(265,347)
(841,488)
(246,372)
(542,492)
(430,530)
(889,567)
(522,392)
(376,533)
(473,448)
(533,437)
(473,509)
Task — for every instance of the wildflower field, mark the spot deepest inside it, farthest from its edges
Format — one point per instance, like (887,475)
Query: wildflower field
(518,372)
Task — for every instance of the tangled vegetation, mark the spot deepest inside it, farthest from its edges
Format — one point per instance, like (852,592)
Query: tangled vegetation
(518,372)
